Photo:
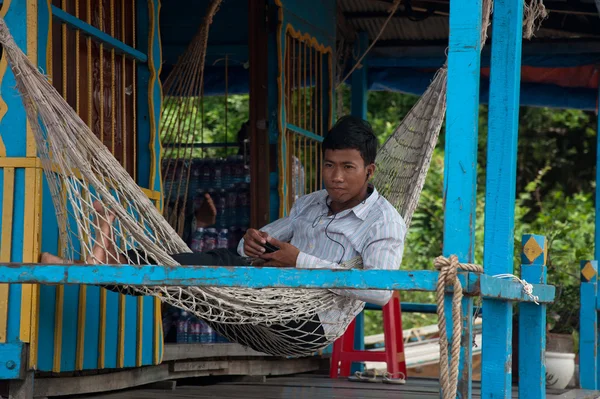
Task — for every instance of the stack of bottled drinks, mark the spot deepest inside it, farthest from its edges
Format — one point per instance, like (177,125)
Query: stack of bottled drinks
(190,329)
(227,182)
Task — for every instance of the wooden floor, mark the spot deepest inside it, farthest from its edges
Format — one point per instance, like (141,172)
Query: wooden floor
(312,387)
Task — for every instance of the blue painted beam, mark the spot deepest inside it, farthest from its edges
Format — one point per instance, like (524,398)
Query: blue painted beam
(242,276)
(304,132)
(263,277)
(514,292)
(532,321)
(460,171)
(98,35)
(408,307)
(500,193)
(588,326)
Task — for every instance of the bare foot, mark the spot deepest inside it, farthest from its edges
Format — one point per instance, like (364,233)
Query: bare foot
(104,249)
(49,259)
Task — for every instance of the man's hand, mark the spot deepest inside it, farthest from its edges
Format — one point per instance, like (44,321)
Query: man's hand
(206,215)
(286,256)
(253,243)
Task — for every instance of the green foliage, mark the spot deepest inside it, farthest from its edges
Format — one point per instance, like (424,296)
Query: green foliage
(204,121)
(552,200)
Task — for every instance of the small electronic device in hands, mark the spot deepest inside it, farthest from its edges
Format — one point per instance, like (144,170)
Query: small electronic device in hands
(270,248)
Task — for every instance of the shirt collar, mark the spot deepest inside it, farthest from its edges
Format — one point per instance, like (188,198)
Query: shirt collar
(361,210)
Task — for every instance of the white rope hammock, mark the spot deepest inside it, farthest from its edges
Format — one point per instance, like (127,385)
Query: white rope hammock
(80,170)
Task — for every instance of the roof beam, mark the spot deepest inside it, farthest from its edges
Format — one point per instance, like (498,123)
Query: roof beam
(565,23)
(345,29)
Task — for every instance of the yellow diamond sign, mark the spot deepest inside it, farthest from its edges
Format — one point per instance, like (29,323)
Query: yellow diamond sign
(532,249)
(588,271)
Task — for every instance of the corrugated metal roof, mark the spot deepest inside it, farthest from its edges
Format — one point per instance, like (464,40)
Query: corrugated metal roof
(432,28)
(436,27)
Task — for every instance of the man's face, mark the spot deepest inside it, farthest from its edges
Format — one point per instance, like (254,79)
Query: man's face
(345,174)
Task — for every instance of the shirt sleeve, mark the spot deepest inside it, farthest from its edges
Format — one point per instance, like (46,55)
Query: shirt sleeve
(280,229)
(383,250)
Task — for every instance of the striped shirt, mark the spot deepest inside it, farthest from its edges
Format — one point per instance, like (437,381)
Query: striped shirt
(372,229)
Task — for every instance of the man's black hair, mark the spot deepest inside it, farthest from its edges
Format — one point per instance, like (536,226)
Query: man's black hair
(351,132)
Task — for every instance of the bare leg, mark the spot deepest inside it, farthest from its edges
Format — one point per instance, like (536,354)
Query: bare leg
(104,250)
(49,259)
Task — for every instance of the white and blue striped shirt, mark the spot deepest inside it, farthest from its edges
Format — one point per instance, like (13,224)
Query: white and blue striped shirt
(372,229)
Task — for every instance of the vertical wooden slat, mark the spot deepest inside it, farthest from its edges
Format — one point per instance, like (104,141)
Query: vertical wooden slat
(58,324)
(304,85)
(102,329)
(90,85)
(121,332)
(64,53)
(124,124)
(101,71)
(6,243)
(113,111)
(157,331)
(140,331)
(299,83)
(134,91)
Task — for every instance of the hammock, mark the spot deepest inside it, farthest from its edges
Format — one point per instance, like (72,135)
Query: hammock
(81,170)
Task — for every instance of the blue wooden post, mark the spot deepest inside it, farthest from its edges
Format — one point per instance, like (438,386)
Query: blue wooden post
(359,109)
(460,172)
(503,122)
(588,326)
(532,321)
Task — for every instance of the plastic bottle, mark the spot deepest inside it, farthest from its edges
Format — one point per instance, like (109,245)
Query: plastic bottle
(183,327)
(223,238)
(244,205)
(205,179)
(207,336)
(238,169)
(232,213)
(195,327)
(210,239)
(197,242)
(227,172)
(222,211)
(217,175)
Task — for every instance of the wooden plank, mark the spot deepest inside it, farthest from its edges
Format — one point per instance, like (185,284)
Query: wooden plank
(460,172)
(100,383)
(199,365)
(242,276)
(503,122)
(123,379)
(199,351)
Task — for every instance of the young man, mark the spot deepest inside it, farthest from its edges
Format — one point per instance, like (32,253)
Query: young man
(324,229)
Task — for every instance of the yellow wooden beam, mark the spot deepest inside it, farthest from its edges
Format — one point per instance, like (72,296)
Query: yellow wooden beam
(20,162)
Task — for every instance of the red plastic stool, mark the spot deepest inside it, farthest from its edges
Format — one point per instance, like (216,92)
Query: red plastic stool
(344,353)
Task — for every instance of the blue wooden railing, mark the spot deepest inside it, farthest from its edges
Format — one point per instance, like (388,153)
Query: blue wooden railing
(474,284)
